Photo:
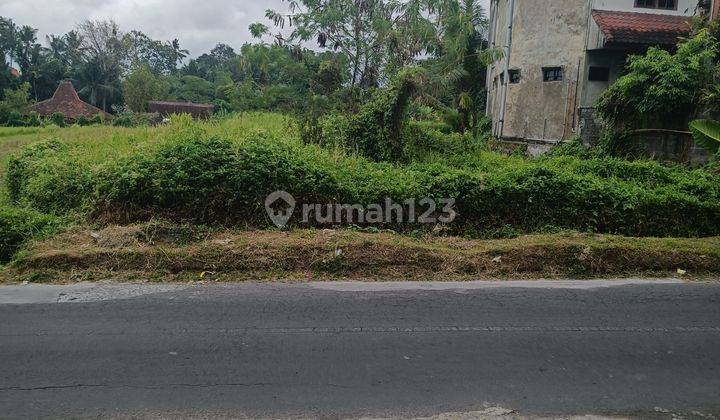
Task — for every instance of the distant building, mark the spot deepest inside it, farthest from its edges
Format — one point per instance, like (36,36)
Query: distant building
(14,72)
(66,101)
(559,56)
(200,111)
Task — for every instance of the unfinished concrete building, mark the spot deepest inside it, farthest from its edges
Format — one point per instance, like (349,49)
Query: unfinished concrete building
(558,56)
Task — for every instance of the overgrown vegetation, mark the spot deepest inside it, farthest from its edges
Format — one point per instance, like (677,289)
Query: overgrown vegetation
(17,225)
(193,172)
(664,90)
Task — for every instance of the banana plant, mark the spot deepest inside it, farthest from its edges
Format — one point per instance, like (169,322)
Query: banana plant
(707,134)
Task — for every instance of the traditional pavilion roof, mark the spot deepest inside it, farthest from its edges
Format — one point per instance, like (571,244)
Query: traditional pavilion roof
(66,101)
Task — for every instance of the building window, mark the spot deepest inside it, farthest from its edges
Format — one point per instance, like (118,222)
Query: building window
(657,4)
(599,74)
(502,79)
(552,74)
(514,76)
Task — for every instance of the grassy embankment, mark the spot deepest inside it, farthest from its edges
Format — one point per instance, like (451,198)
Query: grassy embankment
(181,253)
(97,177)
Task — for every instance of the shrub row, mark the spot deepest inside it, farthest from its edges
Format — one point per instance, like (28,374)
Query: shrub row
(18,225)
(216,181)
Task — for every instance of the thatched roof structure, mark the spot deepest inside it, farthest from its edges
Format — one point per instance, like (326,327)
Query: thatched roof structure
(66,101)
(170,108)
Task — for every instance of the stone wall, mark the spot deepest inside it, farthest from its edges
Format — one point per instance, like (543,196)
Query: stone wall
(672,146)
(589,126)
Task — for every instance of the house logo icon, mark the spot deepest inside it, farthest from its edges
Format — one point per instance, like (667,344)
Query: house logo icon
(280,206)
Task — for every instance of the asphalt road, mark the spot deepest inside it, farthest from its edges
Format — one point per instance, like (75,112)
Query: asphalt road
(349,350)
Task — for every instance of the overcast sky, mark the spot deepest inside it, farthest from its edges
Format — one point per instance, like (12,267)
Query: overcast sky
(198,24)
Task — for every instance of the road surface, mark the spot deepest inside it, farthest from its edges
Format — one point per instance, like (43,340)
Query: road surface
(626,349)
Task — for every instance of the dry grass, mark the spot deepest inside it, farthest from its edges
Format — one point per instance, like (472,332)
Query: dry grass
(181,254)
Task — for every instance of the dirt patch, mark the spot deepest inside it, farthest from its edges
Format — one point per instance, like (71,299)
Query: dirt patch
(182,253)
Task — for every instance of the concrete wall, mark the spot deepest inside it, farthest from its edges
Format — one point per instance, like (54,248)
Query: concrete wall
(554,33)
(545,34)
(614,60)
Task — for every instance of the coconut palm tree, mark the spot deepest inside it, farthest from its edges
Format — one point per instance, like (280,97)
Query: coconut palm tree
(461,56)
(101,86)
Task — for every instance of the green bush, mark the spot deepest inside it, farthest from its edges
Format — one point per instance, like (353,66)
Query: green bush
(334,131)
(48,177)
(132,119)
(209,180)
(97,119)
(58,118)
(376,131)
(33,120)
(17,225)
(421,140)
(190,178)
(661,89)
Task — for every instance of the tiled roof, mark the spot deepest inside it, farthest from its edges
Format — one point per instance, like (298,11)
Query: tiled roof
(641,28)
(66,101)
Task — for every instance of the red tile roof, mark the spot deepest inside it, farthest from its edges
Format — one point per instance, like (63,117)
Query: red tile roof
(67,101)
(641,28)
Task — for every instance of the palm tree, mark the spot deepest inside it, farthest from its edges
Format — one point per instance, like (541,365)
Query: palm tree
(8,39)
(461,56)
(177,54)
(97,84)
(26,40)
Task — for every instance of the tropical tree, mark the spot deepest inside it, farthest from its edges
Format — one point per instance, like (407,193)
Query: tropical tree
(8,39)
(140,87)
(98,83)
(461,53)
(354,27)
(707,134)
(661,89)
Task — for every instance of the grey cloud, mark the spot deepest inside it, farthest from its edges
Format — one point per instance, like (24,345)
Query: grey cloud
(199,25)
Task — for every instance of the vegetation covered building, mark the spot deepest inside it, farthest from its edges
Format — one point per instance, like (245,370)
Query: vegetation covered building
(199,111)
(67,102)
(559,58)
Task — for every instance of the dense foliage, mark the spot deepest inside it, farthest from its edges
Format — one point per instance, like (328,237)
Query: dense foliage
(661,88)
(205,178)
(18,225)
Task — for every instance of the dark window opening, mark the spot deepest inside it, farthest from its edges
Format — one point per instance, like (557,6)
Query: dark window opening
(657,4)
(599,74)
(502,78)
(514,76)
(552,74)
